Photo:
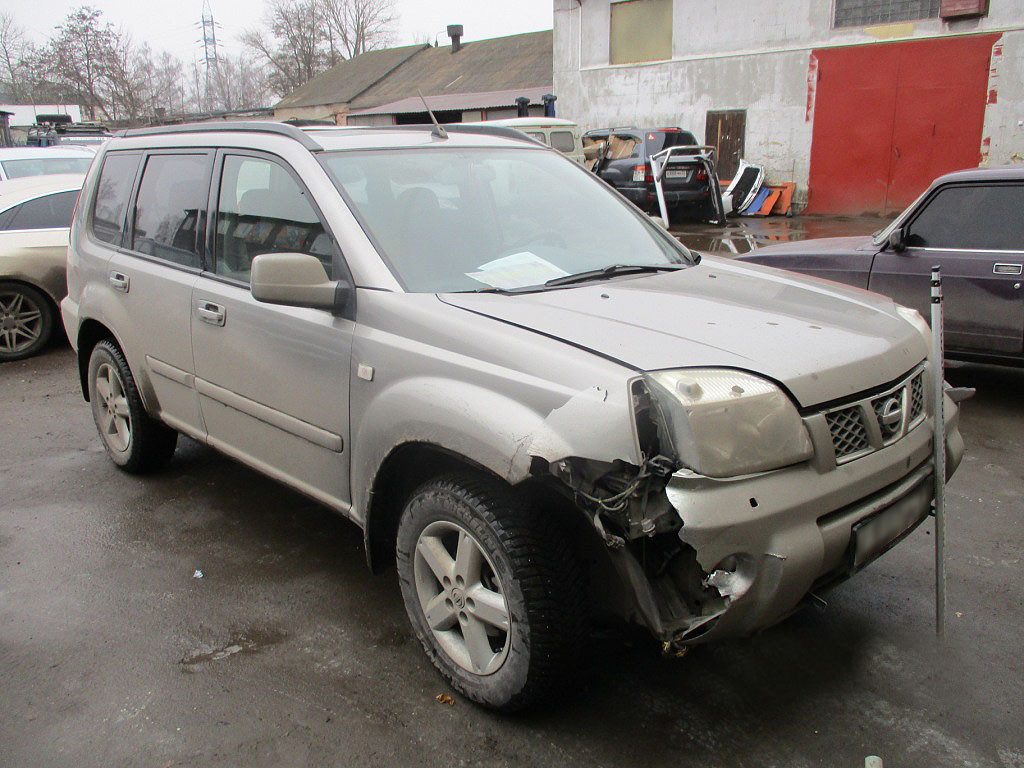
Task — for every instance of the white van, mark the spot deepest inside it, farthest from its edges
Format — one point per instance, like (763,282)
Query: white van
(563,135)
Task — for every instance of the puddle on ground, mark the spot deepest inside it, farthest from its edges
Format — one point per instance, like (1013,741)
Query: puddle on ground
(252,641)
(744,234)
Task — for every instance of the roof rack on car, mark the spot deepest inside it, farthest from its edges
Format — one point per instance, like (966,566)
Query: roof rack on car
(477,128)
(229,126)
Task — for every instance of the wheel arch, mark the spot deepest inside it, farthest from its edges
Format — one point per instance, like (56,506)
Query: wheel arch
(411,464)
(90,333)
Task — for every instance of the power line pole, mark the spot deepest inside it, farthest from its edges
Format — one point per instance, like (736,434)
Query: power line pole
(209,42)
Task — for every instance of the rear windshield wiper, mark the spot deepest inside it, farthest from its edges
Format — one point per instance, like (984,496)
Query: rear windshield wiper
(611,270)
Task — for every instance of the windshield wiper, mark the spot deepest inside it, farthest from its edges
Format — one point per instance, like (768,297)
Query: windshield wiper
(610,271)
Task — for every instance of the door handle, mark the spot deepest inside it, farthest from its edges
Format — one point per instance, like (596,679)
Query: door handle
(210,313)
(119,280)
(1006,269)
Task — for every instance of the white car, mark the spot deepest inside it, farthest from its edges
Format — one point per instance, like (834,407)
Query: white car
(18,162)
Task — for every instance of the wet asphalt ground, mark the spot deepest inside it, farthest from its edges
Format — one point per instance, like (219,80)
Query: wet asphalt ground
(288,652)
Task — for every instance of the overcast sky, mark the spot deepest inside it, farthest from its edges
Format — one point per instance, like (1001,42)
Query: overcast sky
(173,25)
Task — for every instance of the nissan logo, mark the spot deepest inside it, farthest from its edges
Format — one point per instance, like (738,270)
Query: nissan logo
(892,412)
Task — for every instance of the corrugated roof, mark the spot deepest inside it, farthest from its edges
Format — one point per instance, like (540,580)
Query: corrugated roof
(515,62)
(481,100)
(343,82)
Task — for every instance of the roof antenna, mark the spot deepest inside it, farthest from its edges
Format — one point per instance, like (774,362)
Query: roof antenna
(438,131)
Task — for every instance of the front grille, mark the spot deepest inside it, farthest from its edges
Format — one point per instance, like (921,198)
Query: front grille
(917,397)
(889,412)
(866,425)
(849,436)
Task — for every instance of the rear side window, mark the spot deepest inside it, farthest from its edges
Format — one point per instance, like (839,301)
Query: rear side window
(538,136)
(659,140)
(262,209)
(563,141)
(976,217)
(46,212)
(112,193)
(172,194)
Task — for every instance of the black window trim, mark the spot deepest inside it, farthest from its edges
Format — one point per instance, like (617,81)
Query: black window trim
(29,200)
(908,223)
(202,217)
(339,265)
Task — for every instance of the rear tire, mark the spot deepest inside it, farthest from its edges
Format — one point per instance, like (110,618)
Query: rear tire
(519,638)
(134,441)
(26,321)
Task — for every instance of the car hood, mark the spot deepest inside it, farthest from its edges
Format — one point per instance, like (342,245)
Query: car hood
(815,245)
(820,340)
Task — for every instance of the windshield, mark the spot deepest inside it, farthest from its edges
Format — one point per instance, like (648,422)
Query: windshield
(42,166)
(465,219)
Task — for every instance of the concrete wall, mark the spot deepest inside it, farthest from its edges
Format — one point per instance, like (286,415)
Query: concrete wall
(740,54)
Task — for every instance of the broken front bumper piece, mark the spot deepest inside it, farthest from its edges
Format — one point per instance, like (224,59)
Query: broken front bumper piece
(754,547)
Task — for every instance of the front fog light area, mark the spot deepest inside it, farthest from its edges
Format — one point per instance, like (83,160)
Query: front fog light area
(723,423)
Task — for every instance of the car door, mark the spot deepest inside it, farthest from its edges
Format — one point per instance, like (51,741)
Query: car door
(34,241)
(273,381)
(975,232)
(150,277)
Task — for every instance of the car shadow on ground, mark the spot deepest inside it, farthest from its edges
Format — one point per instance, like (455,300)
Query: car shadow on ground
(252,530)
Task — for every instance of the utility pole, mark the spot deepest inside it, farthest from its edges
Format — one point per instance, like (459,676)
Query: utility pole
(208,28)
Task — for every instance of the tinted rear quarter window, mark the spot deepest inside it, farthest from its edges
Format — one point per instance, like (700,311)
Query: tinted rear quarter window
(112,192)
(46,212)
(172,194)
(972,217)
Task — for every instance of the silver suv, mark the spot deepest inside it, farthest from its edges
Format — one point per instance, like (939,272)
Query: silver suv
(536,403)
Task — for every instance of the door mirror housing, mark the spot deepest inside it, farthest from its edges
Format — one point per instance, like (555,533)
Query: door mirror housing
(297,280)
(897,240)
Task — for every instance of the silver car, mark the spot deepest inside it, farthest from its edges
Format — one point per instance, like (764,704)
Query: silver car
(538,405)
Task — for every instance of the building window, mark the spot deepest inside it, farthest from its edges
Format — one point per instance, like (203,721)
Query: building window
(859,13)
(641,30)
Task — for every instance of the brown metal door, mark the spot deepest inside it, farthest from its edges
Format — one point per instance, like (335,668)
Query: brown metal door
(725,131)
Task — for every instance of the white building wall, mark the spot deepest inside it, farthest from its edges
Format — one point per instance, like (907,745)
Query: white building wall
(742,54)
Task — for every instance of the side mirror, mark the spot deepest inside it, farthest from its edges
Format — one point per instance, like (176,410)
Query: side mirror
(897,240)
(297,280)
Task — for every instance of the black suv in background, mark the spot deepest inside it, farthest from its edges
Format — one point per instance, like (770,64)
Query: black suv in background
(625,163)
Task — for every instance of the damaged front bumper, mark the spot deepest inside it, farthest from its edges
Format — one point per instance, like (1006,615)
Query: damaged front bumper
(751,548)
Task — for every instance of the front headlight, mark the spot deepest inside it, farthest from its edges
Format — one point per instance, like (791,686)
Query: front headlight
(723,423)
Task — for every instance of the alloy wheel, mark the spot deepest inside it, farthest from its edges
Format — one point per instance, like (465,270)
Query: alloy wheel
(113,414)
(21,322)
(461,597)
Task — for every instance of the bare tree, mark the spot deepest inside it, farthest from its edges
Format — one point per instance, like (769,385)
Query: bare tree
(79,54)
(294,46)
(15,51)
(128,77)
(360,25)
(238,84)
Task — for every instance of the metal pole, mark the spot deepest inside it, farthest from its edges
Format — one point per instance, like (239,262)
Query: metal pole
(939,452)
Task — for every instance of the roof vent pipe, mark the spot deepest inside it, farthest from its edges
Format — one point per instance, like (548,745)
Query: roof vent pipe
(455,33)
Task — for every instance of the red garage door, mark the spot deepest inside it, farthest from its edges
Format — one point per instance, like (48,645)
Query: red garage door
(890,117)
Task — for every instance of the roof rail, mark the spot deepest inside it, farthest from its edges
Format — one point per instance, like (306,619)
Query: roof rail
(478,128)
(229,126)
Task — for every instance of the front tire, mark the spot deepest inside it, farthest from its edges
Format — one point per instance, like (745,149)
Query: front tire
(26,321)
(492,590)
(134,441)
